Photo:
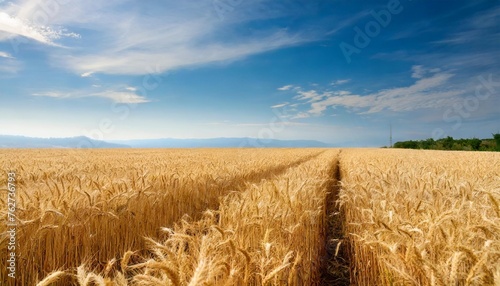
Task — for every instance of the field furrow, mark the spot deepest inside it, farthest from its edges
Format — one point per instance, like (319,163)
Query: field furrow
(254,217)
(335,266)
(272,232)
(90,206)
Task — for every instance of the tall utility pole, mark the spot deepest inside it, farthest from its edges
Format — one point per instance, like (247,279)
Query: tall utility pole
(390,134)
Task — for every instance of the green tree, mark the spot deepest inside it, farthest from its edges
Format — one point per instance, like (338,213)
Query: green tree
(497,140)
(448,143)
(487,145)
(428,144)
(475,144)
(457,146)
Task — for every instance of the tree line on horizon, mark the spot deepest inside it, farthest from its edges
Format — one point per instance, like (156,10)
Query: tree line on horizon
(449,143)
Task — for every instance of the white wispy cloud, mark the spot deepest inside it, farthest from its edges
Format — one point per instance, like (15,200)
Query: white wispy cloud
(10,69)
(8,64)
(14,26)
(286,87)
(265,124)
(118,96)
(154,60)
(141,39)
(301,115)
(280,105)
(310,95)
(414,30)
(485,19)
(174,35)
(340,81)
(122,97)
(418,71)
(348,22)
(5,55)
(56,94)
(482,26)
(430,90)
(255,124)
(86,74)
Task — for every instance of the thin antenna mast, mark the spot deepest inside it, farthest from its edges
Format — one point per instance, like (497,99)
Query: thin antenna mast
(390,135)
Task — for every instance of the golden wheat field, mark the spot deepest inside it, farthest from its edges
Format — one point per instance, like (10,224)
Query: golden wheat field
(252,217)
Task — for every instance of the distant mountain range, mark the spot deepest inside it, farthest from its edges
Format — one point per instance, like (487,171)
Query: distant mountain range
(7,141)
(219,143)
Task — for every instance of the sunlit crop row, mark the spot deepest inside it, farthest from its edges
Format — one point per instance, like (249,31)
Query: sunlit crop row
(88,206)
(422,217)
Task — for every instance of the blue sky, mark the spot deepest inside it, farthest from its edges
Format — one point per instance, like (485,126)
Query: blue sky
(337,71)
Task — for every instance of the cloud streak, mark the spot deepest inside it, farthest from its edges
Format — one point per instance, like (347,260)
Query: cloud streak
(340,81)
(178,34)
(310,95)
(9,64)
(158,60)
(13,26)
(286,87)
(119,96)
(142,38)
(348,22)
(429,91)
(482,27)
(280,105)
(5,55)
